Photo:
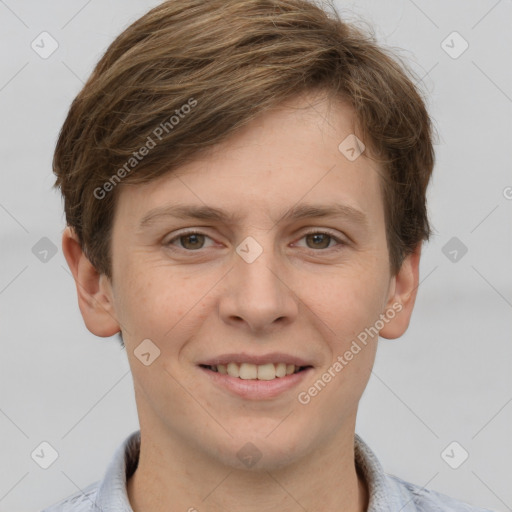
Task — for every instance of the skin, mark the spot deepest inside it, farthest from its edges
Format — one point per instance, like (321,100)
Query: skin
(305,296)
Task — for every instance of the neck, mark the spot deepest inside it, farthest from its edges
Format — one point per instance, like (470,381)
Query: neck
(171,476)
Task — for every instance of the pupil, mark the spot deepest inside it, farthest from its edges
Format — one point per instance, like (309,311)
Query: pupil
(317,237)
(194,238)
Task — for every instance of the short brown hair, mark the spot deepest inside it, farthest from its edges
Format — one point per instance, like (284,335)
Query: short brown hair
(227,61)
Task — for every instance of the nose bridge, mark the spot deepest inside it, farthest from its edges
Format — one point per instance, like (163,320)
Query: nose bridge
(256,265)
(257,292)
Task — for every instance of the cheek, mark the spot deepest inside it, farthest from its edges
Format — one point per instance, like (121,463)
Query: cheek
(149,304)
(162,303)
(351,305)
(346,300)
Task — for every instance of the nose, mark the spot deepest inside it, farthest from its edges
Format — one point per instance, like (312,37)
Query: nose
(257,294)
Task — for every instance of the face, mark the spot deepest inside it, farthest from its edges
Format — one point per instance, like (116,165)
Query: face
(256,282)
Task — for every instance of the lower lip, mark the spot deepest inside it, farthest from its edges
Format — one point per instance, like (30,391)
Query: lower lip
(256,389)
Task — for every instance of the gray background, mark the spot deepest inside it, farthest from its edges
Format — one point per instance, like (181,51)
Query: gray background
(447,379)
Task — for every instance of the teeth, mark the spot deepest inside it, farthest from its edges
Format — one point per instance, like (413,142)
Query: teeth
(269,371)
(233,370)
(281,369)
(248,371)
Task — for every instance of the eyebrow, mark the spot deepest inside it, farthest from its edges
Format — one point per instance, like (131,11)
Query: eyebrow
(296,212)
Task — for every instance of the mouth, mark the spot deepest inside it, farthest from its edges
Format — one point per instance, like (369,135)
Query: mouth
(255,381)
(249,371)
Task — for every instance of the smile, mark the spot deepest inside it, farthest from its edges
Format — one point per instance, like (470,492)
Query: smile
(255,382)
(249,371)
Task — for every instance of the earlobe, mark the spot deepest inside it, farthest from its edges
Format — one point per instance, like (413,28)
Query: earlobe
(400,304)
(94,290)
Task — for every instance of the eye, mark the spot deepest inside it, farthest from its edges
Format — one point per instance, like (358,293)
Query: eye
(194,240)
(321,240)
(190,240)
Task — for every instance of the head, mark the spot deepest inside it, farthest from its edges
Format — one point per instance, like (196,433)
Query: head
(248,117)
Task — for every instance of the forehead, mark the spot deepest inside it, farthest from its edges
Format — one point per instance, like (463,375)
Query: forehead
(290,156)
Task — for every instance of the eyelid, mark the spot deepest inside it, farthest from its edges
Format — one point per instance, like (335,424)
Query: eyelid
(324,231)
(189,231)
(312,231)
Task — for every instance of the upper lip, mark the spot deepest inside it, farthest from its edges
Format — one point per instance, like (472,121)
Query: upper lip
(242,357)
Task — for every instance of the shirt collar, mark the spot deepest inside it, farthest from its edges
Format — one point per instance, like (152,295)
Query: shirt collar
(385,493)
(112,495)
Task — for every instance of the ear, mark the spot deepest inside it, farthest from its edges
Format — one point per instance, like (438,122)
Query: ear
(94,290)
(402,296)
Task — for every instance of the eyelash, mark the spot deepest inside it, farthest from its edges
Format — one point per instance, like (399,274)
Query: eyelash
(314,232)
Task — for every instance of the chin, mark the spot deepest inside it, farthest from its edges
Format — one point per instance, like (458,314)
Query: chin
(267,452)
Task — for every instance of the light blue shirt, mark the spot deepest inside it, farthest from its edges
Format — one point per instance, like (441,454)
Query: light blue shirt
(388,493)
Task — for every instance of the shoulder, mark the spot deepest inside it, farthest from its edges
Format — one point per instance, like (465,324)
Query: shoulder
(80,501)
(426,500)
